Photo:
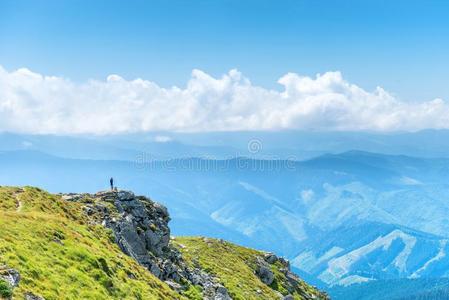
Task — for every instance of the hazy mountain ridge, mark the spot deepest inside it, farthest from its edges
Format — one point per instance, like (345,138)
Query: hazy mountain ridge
(336,205)
(289,144)
(395,289)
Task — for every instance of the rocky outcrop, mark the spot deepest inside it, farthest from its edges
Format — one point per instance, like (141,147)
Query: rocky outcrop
(140,228)
(11,276)
(266,275)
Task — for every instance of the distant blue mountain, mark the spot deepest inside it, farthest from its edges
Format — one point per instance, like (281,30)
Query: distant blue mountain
(342,219)
(395,289)
(297,145)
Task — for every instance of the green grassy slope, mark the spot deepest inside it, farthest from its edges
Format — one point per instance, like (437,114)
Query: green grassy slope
(235,267)
(61,253)
(60,256)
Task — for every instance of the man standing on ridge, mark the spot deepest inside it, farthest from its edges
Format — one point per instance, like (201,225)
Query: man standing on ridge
(111,181)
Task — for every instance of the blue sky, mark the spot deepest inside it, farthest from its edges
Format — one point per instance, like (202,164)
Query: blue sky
(399,45)
(277,47)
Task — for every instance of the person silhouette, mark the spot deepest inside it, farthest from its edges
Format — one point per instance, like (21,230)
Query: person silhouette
(111,181)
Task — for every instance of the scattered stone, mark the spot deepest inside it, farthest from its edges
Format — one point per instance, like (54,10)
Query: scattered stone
(31,296)
(173,285)
(270,258)
(71,197)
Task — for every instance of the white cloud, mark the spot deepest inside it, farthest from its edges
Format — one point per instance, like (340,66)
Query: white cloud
(34,103)
(162,139)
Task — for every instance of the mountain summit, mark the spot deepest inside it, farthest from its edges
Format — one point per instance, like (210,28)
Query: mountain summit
(115,245)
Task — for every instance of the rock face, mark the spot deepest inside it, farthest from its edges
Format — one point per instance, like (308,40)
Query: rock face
(11,276)
(264,272)
(140,228)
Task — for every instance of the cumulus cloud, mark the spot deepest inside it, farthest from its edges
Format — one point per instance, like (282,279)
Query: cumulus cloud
(35,103)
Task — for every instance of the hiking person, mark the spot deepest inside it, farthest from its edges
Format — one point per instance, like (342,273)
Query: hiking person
(111,181)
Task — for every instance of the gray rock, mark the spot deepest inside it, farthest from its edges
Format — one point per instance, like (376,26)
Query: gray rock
(215,291)
(221,293)
(270,258)
(11,276)
(266,275)
(31,296)
(140,228)
(71,197)
(125,195)
(155,270)
(264,272)
(284,262)
(174,286)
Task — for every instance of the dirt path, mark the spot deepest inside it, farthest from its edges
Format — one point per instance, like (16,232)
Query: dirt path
(19,204)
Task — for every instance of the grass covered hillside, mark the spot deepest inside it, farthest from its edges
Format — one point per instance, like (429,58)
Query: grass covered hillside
(73,247)
(237,268)
(60,256)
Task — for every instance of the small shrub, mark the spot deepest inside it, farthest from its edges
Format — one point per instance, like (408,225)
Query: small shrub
(5,289)
(193,293)
(104,266)
(110,235)
(59,235)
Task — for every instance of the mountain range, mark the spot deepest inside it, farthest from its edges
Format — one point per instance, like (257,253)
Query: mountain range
(346,220)
(286,144)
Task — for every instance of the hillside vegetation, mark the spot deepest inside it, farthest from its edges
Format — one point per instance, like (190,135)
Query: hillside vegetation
(236,267)
(60,247)
(60,256)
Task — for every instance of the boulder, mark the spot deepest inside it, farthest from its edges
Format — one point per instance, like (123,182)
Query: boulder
(270,258)
(11,276)
(31,296)
(174,286)
(266,275)
(263,271)
(221,293)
